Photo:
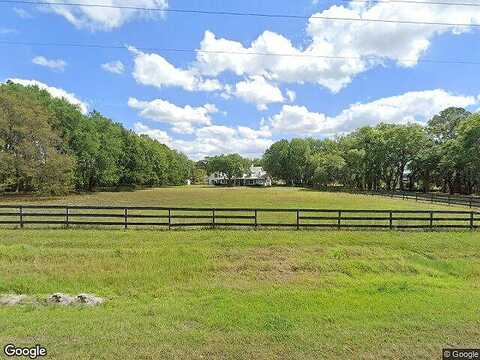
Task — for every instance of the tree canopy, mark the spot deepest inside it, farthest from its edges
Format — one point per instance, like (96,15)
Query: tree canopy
(443,155)
(47,145)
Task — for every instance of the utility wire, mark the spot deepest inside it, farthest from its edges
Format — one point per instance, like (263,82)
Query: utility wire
(253,14)
(178,50)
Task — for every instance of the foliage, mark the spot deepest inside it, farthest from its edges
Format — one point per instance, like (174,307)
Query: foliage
(442,155)
(231,166)
(32,158)
(47,145)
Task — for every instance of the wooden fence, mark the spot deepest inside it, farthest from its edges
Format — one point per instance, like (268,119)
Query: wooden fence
(176,217)
(440,198)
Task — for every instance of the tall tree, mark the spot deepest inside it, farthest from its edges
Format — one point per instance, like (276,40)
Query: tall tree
(31,152)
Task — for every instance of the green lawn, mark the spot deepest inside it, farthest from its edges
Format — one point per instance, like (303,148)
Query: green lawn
(205,196)
(244,294)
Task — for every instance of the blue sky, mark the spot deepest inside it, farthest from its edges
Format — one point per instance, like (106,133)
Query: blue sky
(209,103)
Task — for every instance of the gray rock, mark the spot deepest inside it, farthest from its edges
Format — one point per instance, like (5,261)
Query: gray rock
(88,299)
(61,299)
(53,299)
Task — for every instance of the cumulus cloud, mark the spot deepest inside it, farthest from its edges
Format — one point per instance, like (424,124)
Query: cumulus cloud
(295,120)
(155,70)
(258,91)
(102,18)
(214,140)
(57,64)
(361,45)
(416,106)
(182,119)
(156,134)
(115,67)
(291,95)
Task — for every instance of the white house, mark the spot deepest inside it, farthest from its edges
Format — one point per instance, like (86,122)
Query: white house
(256,176)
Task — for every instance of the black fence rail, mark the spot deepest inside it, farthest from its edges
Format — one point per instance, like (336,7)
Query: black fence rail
(177,217)
(440,198)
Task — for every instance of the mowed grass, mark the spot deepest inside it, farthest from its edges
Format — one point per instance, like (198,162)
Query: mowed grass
(244,294)
(238,197)
(209,196)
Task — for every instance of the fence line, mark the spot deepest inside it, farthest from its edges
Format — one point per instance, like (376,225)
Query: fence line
(440,198)
(178,217)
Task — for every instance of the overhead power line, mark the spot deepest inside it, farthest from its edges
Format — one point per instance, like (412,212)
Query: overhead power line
(227,52)
(254,14)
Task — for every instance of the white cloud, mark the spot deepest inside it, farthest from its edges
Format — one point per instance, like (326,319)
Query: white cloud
(115,67)
(106,19)
(155,70)
(156,134)
(258,91)
(182,119)
(361,44)
(58,64)
(54,92)
(214,140)
(416,106)
(291,95)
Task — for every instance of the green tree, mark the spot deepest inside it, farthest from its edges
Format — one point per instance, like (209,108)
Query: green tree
(232,166)
(329,168)
(31,150)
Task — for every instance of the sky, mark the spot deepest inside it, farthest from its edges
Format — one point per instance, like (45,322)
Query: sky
(246,81)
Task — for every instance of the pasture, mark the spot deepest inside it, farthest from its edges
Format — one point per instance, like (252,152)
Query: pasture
(242,294)
(207,196)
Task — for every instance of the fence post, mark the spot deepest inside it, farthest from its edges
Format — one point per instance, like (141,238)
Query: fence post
(20,213)
(125,215)
(256,219)
(416,196)
(169,219)
(431,195)
(448,197)
(339,219)
(431,219)
(391,220)
(472,227)
(470,202)
(67,217)
(298,219)
(213,218)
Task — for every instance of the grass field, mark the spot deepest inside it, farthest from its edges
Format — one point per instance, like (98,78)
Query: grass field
(244,294)
(205,196)
(237,197)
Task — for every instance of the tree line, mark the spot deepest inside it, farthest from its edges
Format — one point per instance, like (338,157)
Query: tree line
(444,155)
(48,146)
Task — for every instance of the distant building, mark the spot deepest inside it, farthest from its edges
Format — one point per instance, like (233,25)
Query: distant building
(255,177)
